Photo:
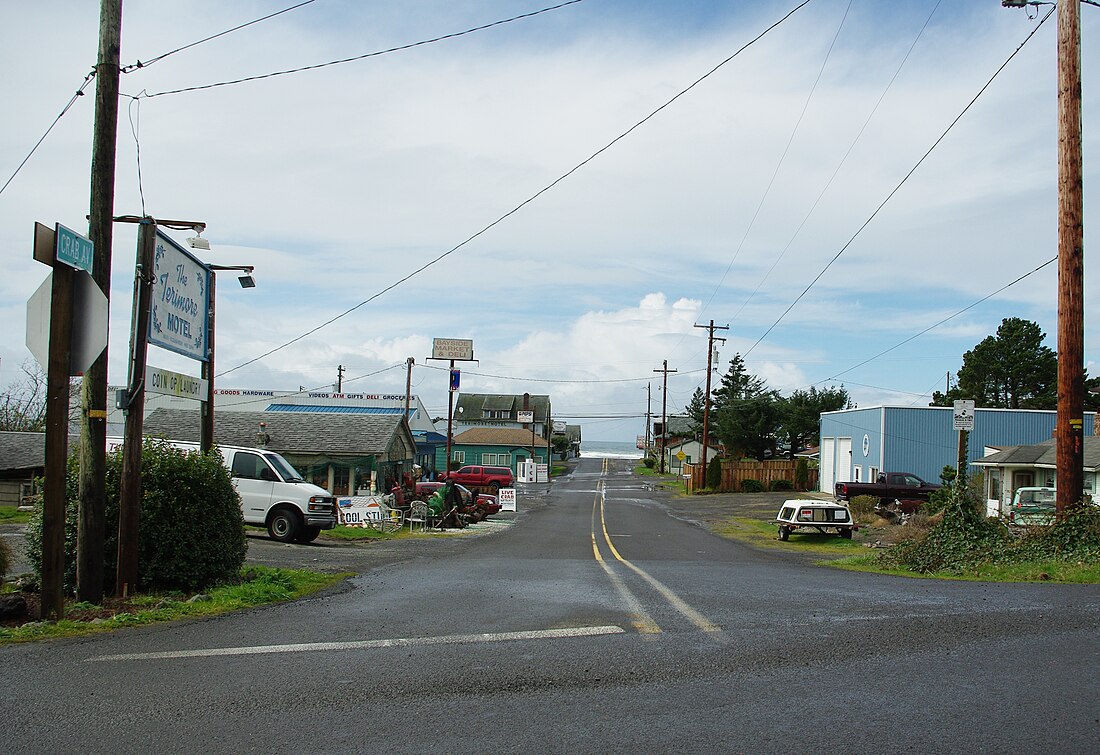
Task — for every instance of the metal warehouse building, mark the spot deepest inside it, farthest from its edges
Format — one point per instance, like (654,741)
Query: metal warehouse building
(857,444)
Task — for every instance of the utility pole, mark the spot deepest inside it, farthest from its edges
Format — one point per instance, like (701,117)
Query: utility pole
(91,524)
(1069,428)
(706,399)
(130,486)
(664,413)
(648,412)
(408,385)
(339,378)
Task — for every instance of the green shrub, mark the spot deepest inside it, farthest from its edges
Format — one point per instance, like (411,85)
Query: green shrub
(801,474)
(650,462)
(191,530)
(752,486)
(862,506)
(780,485)
(5,559)
(714,473)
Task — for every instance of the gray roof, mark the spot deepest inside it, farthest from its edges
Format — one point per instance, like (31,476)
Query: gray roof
(476,405)
(1040,455)
(22,450)
(290,432)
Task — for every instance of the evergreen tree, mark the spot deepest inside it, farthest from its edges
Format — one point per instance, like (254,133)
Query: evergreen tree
(746,414)
(801,413)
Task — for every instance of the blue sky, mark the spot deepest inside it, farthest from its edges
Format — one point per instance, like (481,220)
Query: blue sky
(339,182)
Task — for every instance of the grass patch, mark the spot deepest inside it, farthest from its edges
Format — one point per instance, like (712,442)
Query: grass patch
(258,586)
(764,534)
(1030,571)
(12,515)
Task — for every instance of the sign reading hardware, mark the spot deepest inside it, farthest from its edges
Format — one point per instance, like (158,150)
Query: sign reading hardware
(180,308)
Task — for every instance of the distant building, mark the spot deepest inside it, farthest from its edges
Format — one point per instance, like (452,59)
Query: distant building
(499,410)
(857,444)
(495,447)
(1033,466)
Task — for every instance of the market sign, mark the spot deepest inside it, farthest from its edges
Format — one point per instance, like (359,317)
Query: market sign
(180,308)
(459,349)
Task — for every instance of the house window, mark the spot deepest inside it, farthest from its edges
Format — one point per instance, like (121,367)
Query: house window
(857,473)
(499,414)
(459,456)
(340,477)
(496,460)
(872,473)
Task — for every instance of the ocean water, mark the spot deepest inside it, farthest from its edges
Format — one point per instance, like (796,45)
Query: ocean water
(601,449)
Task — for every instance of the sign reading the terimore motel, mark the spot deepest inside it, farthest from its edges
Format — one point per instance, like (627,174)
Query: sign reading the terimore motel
(180,300)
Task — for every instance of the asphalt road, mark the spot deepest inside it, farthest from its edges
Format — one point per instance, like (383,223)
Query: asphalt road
(597,622)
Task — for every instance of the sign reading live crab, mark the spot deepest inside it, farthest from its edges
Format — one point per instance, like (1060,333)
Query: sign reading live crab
(180,308)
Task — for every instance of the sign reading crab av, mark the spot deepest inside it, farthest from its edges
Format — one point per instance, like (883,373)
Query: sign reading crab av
(180,302)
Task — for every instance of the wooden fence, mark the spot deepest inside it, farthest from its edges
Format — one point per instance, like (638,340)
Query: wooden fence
(764,472)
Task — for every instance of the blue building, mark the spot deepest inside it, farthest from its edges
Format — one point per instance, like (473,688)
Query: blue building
(857,444)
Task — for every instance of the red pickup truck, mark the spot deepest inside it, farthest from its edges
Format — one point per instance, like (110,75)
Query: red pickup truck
(890,487)
(482,477)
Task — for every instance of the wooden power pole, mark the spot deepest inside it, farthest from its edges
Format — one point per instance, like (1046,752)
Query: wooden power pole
(664,414)
(1069,429)
(706,397)
(91,525)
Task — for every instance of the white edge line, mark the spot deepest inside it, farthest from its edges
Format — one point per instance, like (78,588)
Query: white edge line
(457,639)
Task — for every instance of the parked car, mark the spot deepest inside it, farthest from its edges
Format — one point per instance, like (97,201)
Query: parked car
(824,516)
(1033,506)
(482,477)
(889,487)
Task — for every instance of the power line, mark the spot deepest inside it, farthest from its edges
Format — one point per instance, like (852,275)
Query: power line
(135,66)
(364,56)
(530,199)
(901,183)
(840,164)
(941,322)
(554,380)
(79,93)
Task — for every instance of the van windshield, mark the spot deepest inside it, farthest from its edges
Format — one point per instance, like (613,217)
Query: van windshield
(283,467)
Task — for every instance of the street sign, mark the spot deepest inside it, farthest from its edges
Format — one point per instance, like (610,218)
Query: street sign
(525,418)
(169,383)
(180,301)
(89,336)
(73,249)
(964,415)
(456,377)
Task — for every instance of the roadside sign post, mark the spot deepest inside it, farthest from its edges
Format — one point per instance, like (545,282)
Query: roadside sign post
(50,338)
(963,423)
(452,350)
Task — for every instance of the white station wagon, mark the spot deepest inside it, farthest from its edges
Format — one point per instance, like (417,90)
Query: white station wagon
(824,516)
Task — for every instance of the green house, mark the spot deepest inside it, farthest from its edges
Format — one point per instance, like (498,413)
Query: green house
(494,447)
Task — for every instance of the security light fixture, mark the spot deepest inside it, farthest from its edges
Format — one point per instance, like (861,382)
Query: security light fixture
(197,241)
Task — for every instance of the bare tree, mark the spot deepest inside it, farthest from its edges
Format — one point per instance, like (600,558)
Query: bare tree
(23,402)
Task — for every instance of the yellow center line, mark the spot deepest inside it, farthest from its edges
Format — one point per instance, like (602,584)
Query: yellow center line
(639,617)
(674,600)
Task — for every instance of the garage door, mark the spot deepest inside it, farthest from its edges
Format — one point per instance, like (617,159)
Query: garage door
(826,470)
(843,460)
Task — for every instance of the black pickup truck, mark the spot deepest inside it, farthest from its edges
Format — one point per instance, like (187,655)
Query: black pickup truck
(890,487)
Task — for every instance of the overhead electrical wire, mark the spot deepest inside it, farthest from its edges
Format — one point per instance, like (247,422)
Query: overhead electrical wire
(364,56)
(530,199)
(901,183)
(79,93)
(129,69)
(840,164)
(139,64)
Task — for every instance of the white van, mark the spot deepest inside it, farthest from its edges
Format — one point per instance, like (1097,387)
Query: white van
(272,493)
